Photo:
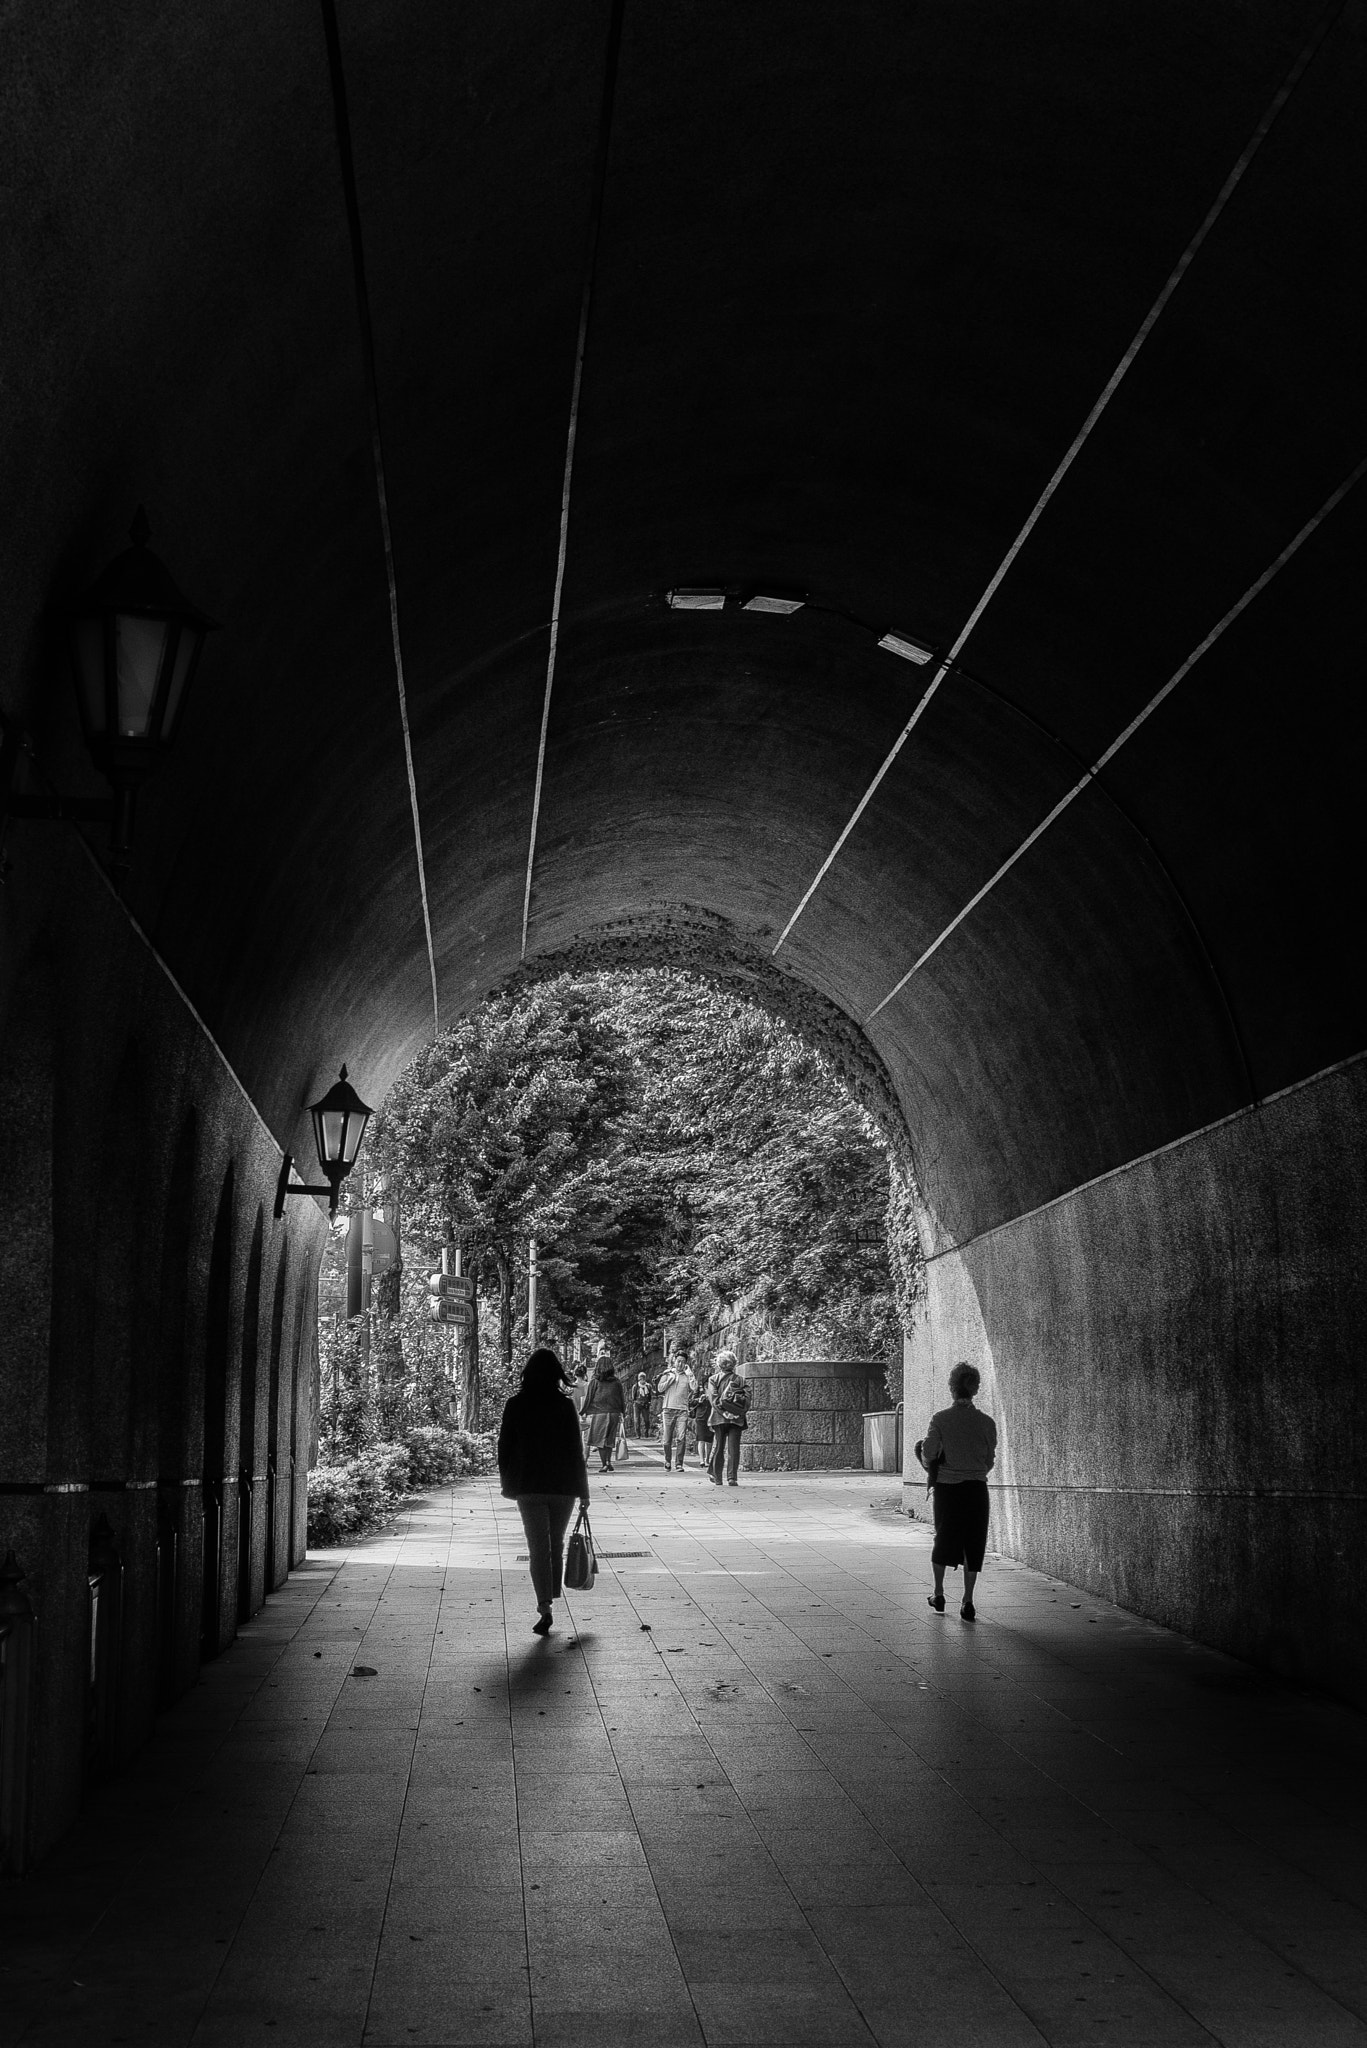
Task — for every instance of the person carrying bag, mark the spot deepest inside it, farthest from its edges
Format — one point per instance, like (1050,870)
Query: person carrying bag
(581,1559)
(730,1398)
(541,1467)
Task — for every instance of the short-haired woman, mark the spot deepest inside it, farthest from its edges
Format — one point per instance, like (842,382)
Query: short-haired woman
(959,1450)
(541,1467)
(730,1399)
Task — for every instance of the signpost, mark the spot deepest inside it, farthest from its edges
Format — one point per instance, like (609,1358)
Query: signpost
(452,1299)
(457,1315)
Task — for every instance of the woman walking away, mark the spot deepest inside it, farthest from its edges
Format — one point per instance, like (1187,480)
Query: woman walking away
(730,1398)
(605,1407)
(541,1467)
(959,1450)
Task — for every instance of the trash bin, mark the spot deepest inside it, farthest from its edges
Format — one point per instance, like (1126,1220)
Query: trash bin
(880,1441)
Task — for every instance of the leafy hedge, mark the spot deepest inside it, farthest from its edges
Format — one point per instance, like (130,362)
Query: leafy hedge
(347,1500)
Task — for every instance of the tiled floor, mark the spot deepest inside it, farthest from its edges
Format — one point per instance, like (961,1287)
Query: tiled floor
(762,1795)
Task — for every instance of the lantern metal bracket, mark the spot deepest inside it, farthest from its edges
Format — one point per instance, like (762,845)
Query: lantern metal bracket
(115,811)
(283,1188)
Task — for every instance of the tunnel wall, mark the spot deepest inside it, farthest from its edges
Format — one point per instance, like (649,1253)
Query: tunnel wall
(1173,1354)
(124,1142)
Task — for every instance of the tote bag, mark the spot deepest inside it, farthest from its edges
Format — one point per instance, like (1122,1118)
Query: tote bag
(581,1560)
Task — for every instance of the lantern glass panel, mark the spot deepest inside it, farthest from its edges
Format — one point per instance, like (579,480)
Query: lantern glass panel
(188,648)
(139,645)
(331,1125)
(355,1131)
(88,647)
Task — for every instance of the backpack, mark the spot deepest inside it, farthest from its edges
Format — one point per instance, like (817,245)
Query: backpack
(732,1400)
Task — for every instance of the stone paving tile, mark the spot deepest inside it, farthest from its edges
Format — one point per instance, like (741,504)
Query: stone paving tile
(798,1808)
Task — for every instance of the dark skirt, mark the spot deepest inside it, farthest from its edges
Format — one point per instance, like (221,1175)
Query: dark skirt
(603,1430)
(961,1524)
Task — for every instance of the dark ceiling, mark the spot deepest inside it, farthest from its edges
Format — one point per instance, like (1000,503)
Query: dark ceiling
(862,272)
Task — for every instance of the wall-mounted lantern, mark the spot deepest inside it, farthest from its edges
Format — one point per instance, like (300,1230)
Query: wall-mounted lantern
(135,644)
(339,1121)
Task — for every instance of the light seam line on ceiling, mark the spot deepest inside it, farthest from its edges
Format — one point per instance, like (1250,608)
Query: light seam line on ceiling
(342,123)
(1113,383)
(1254,589)
(600,171)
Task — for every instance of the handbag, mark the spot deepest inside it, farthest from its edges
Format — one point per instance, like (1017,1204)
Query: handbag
(581,1559)
(932,1470)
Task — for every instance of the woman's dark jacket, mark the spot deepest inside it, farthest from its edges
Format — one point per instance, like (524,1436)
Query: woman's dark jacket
(540,1449)
(605,1397)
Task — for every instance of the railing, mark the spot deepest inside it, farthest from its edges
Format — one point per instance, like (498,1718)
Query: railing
(246,1493)
(18,1646)
(211,1556)
(168,1591)
(104,1581)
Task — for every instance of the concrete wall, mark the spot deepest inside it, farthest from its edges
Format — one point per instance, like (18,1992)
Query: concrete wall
(807,1414)
(1174,1358)
(127,1153)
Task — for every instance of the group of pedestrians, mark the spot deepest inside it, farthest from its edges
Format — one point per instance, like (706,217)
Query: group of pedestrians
(543,1442)
(712,1406)
(716,1405)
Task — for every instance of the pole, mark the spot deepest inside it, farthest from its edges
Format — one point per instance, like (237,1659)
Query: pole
(367,1279)
(531,1293)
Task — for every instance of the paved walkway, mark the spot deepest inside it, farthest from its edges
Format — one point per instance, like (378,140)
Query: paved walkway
(763,1795)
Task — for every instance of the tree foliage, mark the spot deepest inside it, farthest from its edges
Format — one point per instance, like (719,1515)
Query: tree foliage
(677,1154)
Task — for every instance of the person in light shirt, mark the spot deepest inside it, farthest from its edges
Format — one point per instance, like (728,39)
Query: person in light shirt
(958,1451)
(678,1386)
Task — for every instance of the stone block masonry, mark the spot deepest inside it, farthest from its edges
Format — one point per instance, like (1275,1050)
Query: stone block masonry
(807,1414)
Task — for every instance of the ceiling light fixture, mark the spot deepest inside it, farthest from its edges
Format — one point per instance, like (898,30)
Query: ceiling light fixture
(781,606)
(907,650)
(697,600)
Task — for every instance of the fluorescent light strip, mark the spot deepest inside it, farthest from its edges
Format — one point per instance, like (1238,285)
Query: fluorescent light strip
(342,124)
(697,600)
(1079,441)
(909,650)
(600,171)
(1169,686)
(782,607)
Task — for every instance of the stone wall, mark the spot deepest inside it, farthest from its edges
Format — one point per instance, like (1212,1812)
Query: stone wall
(141,1277)
(807,1414)
(1173,1355)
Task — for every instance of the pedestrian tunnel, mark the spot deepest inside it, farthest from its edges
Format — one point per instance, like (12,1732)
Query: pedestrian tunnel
(670,494)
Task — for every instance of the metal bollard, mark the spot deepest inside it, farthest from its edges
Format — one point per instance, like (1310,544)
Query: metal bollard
(18,1664)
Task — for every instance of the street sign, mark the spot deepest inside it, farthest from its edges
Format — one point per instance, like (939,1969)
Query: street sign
(452,1286)
(459,1315)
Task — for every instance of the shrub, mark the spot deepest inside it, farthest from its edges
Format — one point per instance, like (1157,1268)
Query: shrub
(349,1499)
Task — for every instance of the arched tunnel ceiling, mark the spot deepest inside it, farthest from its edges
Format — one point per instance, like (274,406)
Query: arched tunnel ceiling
(862,272)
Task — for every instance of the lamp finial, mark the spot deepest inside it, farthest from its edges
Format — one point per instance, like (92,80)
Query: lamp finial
(342,1074)
(140,532)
